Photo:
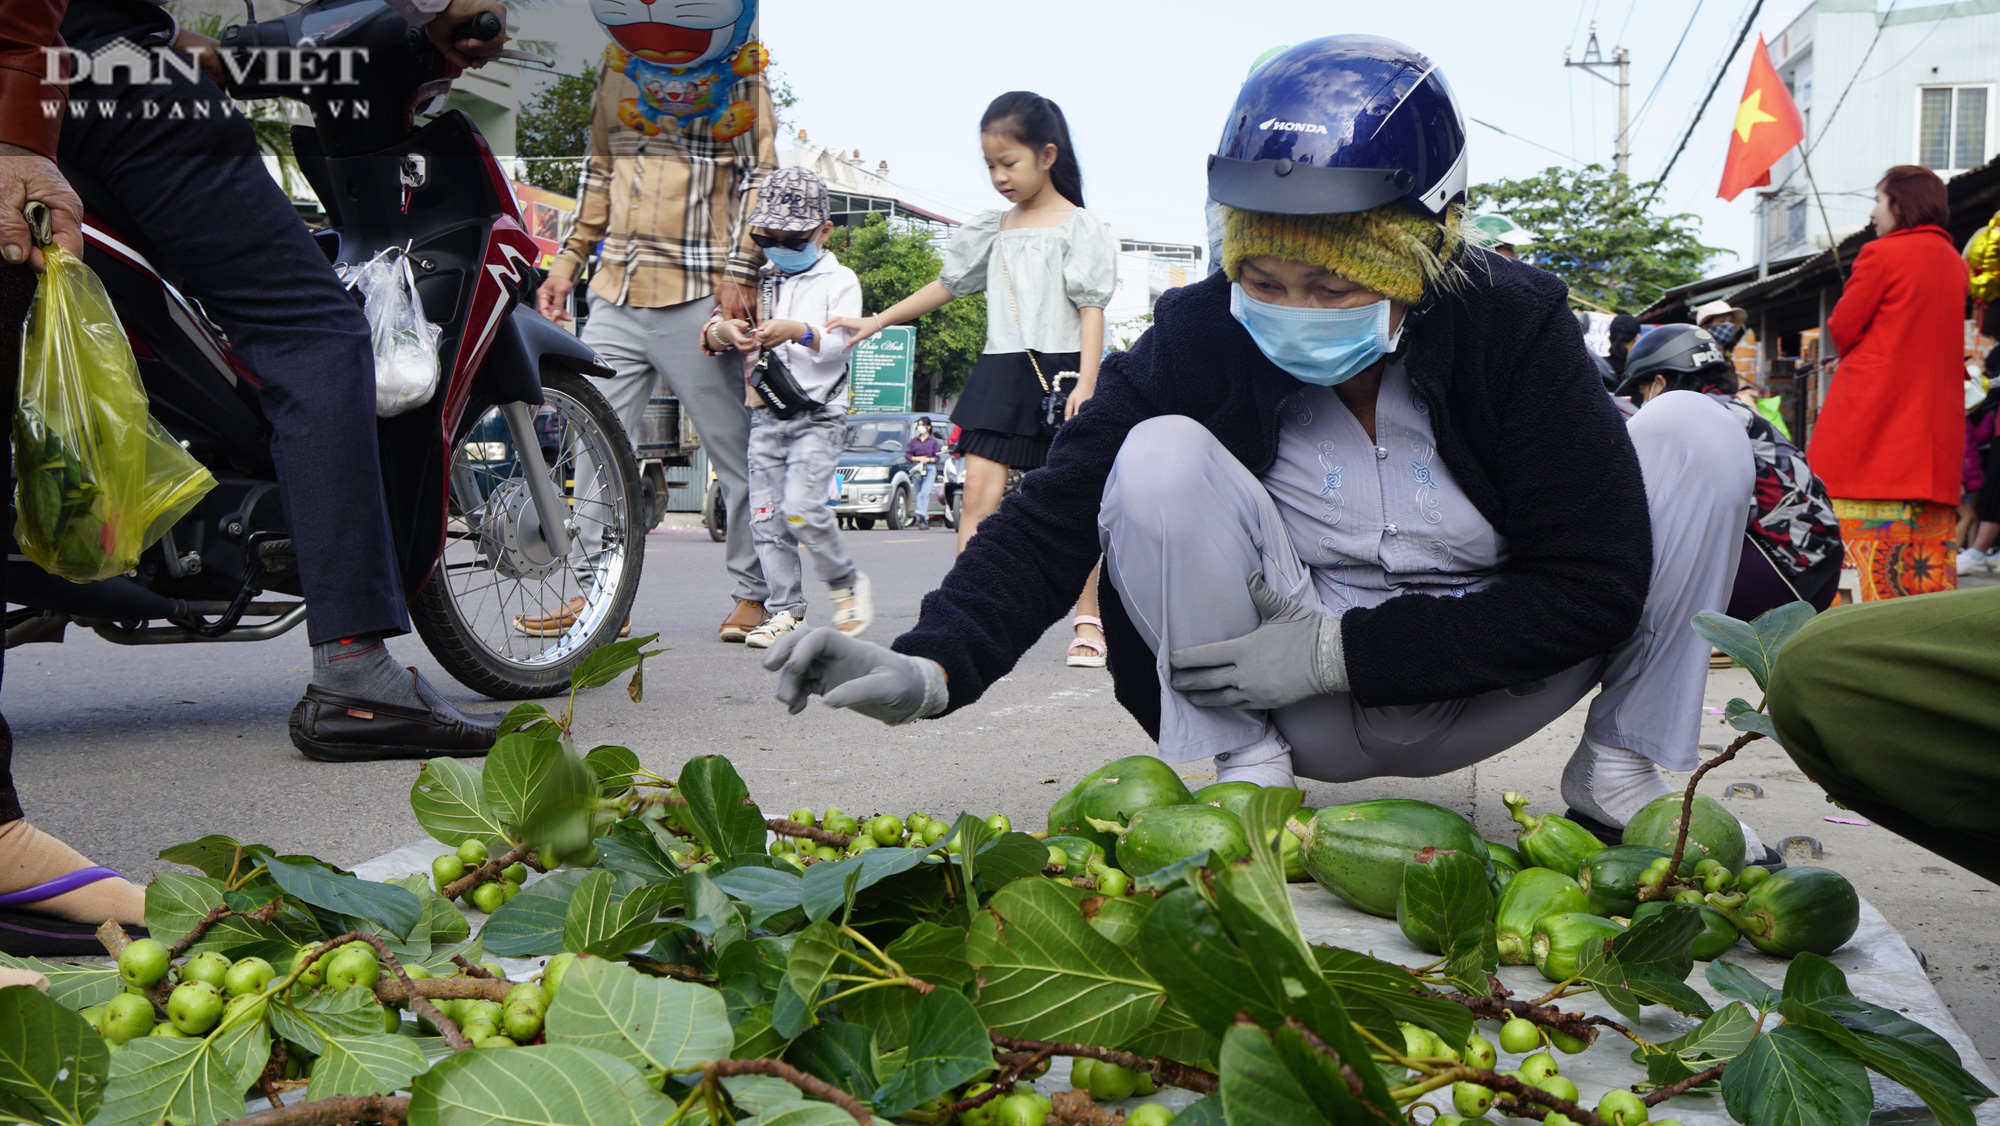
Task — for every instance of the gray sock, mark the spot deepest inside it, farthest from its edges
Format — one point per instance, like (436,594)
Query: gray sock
(361,667)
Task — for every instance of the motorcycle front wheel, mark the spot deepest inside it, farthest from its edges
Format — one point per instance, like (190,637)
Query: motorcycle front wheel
(501,613)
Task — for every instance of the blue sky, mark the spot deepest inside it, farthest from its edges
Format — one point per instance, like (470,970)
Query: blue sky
(1147,83)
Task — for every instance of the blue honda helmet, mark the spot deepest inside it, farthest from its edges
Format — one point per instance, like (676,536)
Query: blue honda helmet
(1341,124)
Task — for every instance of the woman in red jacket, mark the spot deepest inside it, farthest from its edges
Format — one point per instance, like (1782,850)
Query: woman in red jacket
(1891,435)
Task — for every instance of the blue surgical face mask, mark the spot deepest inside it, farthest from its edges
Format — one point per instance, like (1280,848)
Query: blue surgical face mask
(1317,346)
(793,261)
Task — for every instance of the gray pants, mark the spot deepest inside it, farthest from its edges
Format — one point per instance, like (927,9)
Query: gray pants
(646,345)
(1184,524)
(791,461)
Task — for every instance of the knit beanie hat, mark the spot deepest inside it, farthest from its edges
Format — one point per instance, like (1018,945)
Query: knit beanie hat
(1391,249)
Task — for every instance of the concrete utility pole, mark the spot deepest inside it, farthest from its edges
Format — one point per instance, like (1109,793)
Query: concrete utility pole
(1593,58)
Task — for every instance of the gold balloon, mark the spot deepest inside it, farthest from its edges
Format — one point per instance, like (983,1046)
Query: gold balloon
(1982,255)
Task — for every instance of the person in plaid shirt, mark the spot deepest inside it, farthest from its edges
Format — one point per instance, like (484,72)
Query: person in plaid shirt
(671,203)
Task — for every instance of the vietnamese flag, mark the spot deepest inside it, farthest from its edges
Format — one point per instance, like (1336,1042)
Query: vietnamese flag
(1767,123)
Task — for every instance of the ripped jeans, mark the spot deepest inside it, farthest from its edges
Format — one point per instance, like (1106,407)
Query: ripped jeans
(791,461)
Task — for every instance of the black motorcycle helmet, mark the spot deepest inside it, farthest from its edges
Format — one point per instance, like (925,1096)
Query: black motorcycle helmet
(1688,356)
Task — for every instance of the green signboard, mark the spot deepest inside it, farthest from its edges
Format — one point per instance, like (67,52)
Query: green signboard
(880,370)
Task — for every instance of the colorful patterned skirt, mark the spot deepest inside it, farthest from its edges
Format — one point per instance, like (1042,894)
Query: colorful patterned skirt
(1899,547)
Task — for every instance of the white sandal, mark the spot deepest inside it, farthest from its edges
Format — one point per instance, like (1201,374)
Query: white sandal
(1093,660)
(856,619)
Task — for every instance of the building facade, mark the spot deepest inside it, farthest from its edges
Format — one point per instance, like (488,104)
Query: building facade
(1912,84)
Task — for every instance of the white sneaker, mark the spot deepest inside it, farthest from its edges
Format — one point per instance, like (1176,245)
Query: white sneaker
(776,626)
(856,619)
(1972,559)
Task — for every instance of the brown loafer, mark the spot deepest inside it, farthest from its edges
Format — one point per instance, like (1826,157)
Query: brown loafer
(558,623)
(334,727)
(747,616)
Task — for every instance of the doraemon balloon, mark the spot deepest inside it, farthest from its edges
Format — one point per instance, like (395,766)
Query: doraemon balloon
(684,55)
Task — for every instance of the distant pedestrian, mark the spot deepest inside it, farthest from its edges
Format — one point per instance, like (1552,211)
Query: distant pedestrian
(802,290)
(1499,234)
(1048,268)
(1982,466)
(925,453)
(1890,440)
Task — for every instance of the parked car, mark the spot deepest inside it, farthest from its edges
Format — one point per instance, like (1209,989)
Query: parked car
(874,477)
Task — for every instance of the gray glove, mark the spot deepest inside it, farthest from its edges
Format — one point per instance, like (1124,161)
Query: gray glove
(872,679)
(1294,655)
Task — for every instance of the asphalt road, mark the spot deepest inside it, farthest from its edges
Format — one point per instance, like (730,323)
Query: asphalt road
(125,751)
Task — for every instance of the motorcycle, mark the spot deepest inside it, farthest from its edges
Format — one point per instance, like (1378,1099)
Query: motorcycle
(513,491)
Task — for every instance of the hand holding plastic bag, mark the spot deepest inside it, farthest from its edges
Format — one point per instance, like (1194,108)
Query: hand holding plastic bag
(98,479)
(405,341)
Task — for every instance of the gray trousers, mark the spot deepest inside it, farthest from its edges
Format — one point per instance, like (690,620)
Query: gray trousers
(791,461)
(645,346)
(1184,524)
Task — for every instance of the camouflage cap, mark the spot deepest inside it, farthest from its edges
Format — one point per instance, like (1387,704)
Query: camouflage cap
(793,199)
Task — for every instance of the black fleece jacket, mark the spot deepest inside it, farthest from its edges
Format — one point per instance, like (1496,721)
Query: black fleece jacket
(1519,416)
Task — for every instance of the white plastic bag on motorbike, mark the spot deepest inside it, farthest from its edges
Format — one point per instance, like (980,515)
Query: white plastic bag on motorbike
(405,341)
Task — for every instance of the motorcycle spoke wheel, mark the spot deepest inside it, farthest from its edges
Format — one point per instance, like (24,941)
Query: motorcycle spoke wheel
(492,612)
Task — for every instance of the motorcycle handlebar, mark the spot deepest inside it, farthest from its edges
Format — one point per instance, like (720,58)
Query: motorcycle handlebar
(484,26)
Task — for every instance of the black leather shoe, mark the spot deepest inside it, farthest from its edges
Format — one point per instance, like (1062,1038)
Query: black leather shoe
(334,727)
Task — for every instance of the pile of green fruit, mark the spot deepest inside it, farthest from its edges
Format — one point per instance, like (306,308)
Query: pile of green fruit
(705,963)
(469,856)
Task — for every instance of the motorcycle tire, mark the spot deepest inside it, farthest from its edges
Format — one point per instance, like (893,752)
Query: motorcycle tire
(491,653)
(715,513)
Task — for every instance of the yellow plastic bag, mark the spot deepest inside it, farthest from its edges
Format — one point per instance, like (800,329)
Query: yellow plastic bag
(98,479)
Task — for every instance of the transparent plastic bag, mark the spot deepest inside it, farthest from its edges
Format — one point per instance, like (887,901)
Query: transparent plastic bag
(98,479)
(405,341)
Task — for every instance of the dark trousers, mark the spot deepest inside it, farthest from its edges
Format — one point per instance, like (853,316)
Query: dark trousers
(1889,707)
(184,165)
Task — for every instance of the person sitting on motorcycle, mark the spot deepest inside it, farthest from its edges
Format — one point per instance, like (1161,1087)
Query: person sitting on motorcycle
(1364,506)
(183,163)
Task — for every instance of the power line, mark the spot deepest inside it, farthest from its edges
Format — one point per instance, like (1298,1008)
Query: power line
(1526,141)
(1629,9)
(1827,123)
(1662,80)
(1720,73)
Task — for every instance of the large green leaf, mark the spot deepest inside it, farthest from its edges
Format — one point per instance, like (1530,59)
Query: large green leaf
(948,1046)
(614,768)
(216,855)
(541,791)
(449,801)
(1755,645)
(840,1052)
(1044,974)
(73,985)
(377,1063)
(1647,964)
(1815,996)
(1176,1036)
(1739,984)
(604,922)
(1447,894)
(442,923)
(187,1082)
(1378,994)
(531,923)
(1257,1089)
(765,891)
(1183,946)
(52,1065)
(175,902)
(829,886)
(927,952)
(635,851)
(815,952)
(1722,1036)
(310,1020)
(1795,1077)
(607,662)
(392,908)
(718,807)
(544,1085)
(1010,857)
(1116,917)
(655,1024)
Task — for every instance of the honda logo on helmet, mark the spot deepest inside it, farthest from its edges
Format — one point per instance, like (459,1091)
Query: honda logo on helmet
(1293,126)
